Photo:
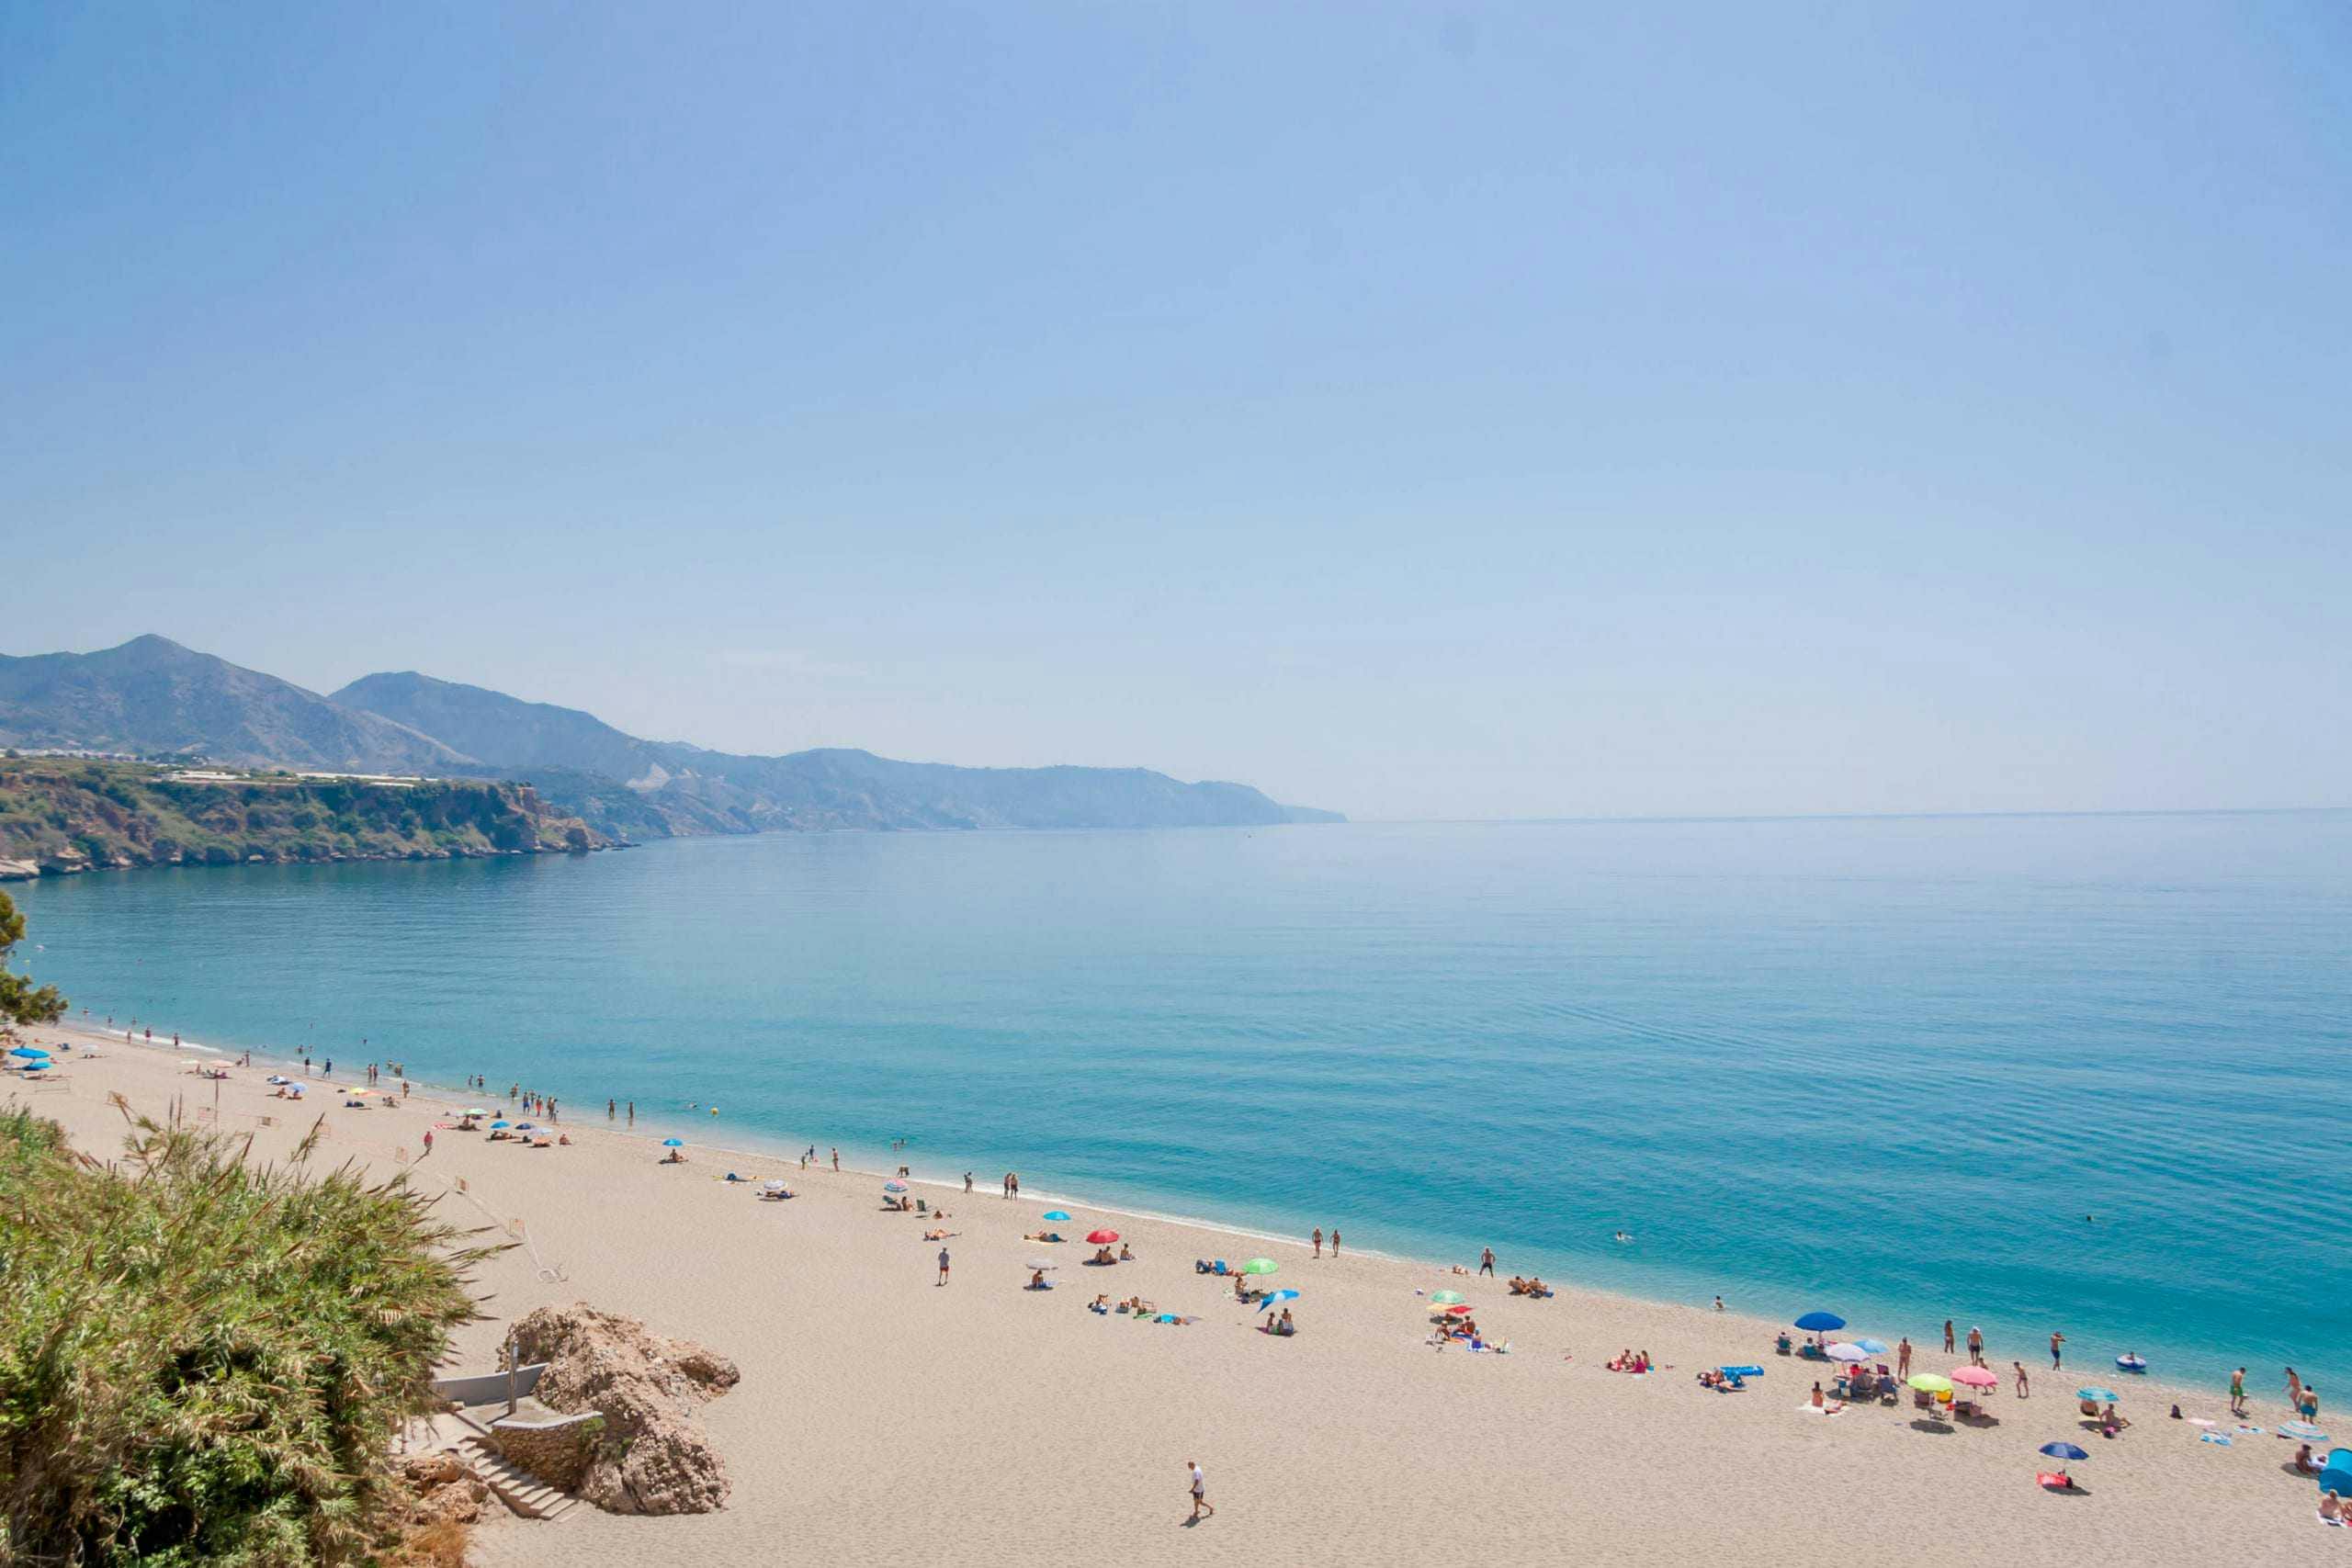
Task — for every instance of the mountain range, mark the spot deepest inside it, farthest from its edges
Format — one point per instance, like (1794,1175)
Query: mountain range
(153,697)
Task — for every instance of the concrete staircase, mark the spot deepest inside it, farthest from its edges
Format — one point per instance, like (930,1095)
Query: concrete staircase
(517,1488)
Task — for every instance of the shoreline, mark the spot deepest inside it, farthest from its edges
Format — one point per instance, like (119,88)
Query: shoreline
(886,1416)
(449,1100)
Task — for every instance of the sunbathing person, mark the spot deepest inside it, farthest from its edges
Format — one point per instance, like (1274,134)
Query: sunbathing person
(1037,1280)
(1102,1255)
(2110,1422)
(2331,1508)
(2304,1463)
(675,1156)
(1517,1286)
(1126,1255)
(1284,1326)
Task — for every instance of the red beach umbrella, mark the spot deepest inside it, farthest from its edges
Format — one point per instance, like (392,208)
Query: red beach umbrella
(1101,1238)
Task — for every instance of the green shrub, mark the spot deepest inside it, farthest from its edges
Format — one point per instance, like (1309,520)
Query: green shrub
(203,1361)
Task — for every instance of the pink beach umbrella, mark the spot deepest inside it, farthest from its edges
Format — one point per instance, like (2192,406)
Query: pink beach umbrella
(1976,1377)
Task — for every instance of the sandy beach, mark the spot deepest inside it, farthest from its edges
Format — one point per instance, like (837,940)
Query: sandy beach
(884,1418)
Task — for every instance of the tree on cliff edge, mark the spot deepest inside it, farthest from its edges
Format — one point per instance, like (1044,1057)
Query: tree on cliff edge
(20,1000)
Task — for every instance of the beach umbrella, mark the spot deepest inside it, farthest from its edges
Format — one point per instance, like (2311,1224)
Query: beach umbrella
(468,1111)
(500,1126)
(29,1051)
(1875,1348)
(774,1184)
(1460,1311)
(894,1186)
(2063,1450)
(1100,1238)
(1276,1298)
(1260,1266)
(1040,1265)
(1848,1353)
(666,1143)
(1820,1322)
(1976,1377)
(526,1127)
(1445,1298)
(1928,1383)
(1057,1214)
(2335,1475)
(2097,1395)
(2302,1431)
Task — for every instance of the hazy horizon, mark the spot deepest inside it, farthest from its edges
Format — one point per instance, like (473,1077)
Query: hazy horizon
(1456,413)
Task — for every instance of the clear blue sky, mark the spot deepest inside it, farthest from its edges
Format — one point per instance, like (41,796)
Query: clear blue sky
(1466,411)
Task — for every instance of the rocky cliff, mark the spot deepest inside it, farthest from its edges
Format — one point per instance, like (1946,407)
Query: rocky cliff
(60,815)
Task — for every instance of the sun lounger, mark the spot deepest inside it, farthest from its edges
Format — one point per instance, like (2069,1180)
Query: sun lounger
(2055,1482)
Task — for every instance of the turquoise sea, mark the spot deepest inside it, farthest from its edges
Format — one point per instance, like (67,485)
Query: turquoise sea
(1884,1066)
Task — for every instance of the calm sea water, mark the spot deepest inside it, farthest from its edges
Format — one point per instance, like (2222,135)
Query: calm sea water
(1887,1067)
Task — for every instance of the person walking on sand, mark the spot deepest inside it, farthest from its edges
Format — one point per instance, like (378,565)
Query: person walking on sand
(1317,1239)
(1201,1508)
(1486,1261)
(942,1266)
(1335,1241)
(2020,1367)
(2057,1350)
(2237,1392)
(608,1108)
(968,1182)
(428,1140)
(1902,1359)
(1975,1345)
(1947,1336)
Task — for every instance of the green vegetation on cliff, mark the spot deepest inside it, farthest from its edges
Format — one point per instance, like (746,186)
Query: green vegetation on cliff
(63,814)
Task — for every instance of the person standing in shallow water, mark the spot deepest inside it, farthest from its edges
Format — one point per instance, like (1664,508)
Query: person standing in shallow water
(1975,1345)
(1335,1250)
(2057,1350)
(1486,1260)
(1317,1239)
(1947,1336)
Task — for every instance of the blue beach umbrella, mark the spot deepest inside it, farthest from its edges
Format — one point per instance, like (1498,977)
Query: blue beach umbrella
(523,1126)
(1276,1298)
(500,1126)
(2337,1474)
(2100,1396)
(673,1142)
(2063,1450)
(1056,1214)
(28,1051)
(1876,1346)
(1820,1322)
(894,1186)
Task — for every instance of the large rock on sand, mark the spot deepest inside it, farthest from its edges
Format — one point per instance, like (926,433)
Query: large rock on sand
(650,1457)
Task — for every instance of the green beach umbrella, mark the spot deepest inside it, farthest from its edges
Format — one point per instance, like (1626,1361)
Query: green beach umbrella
(1260,1266)
(1446,1298)
(1931,1382)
